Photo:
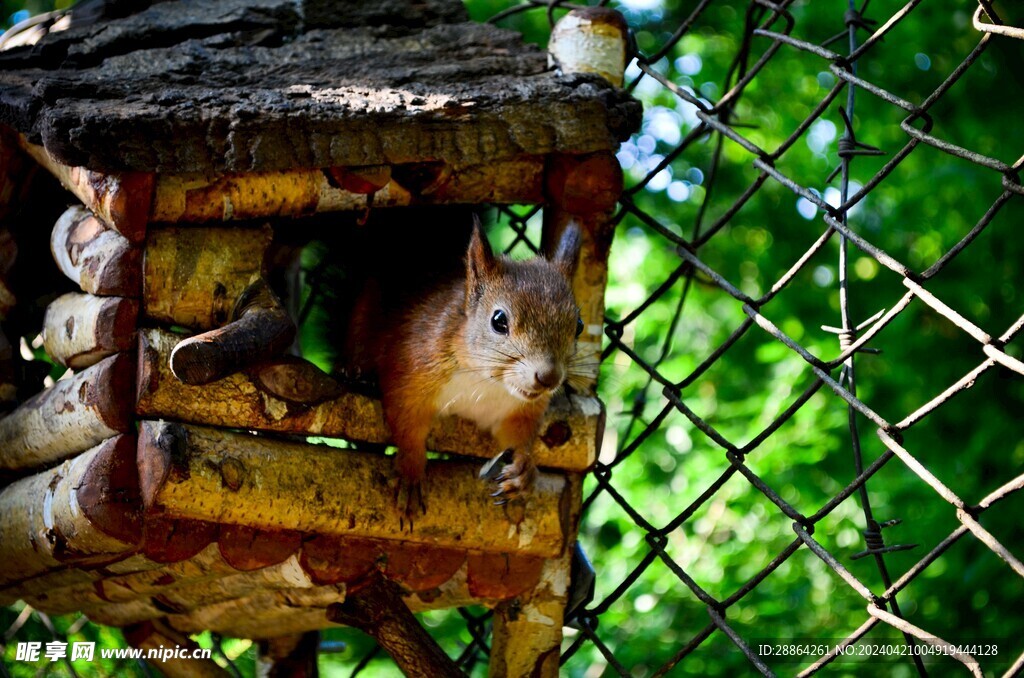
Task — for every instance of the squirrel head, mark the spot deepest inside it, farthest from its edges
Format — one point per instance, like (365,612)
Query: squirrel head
(521,317)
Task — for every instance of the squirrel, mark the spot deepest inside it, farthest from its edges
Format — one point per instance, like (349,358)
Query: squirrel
(490,343)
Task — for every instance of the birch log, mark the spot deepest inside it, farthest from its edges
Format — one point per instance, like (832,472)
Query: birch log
(192,198)
(528,631)
(71,416)
(79,330)
(264,616)
(591,40)
(168,589)
(120,200)
(271,624)
(166,544)
(99,259)
(70,575)
(294,397)
(260,329)
(87,509)
(193,276)
(208,474)
(262,609)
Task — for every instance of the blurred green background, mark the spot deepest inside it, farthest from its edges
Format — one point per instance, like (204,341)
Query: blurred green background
(973,443)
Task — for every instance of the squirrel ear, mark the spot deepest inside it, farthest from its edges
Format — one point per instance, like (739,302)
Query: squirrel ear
(567,253)
(479,260)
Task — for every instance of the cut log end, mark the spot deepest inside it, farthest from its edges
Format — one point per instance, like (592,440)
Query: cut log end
(585,184)
(591,40)
(112,392)
(170,541)
(70,416)
(79,330)
(261,329)
(162,446)
(109,493)
(247,548)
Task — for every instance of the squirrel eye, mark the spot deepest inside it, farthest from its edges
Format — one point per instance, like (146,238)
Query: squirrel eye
(579,326)
(499,322)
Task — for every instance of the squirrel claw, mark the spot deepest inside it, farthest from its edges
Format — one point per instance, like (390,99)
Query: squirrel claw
(514,480)
(409,498)
(494,468)
(511,473)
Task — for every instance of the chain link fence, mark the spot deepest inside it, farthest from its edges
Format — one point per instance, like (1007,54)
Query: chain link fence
(717,139)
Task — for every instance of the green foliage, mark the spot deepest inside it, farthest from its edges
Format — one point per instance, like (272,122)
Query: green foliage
(926,206)
(918,213)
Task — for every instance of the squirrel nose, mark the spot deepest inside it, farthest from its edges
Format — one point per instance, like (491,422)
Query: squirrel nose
(548,377)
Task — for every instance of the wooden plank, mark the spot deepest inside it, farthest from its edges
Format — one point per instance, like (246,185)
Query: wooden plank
(295,397)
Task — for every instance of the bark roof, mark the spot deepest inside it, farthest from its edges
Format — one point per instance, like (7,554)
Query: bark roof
(250,85)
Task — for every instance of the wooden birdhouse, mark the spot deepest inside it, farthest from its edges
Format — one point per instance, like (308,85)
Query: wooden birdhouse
(166,484)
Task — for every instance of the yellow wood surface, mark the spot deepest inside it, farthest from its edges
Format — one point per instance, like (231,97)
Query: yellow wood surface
(569,435)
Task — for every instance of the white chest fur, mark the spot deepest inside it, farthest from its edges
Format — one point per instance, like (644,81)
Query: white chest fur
(473,396)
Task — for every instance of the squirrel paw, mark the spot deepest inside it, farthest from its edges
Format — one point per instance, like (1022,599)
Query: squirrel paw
(515,479)
(409,500)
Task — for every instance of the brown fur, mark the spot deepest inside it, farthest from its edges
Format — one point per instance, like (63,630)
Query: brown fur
(417,347)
